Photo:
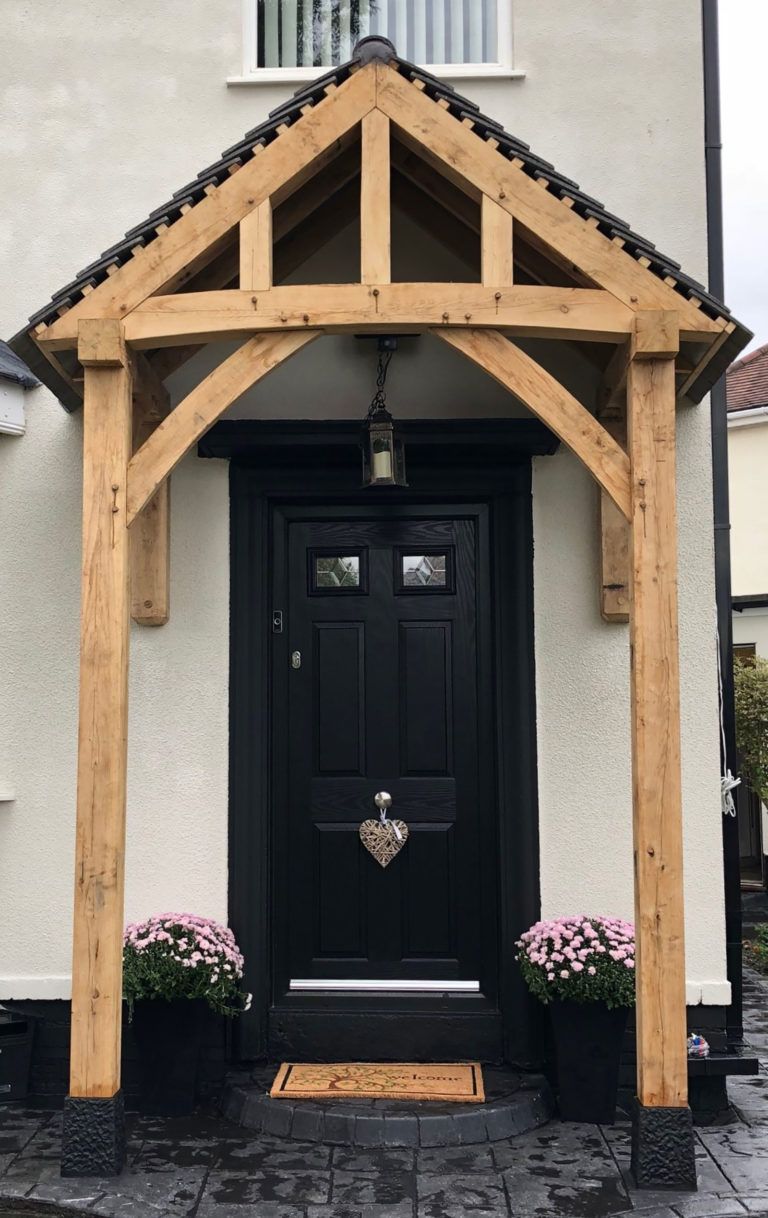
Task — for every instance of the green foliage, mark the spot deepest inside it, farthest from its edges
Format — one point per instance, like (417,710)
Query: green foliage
(756,950)
(751,695)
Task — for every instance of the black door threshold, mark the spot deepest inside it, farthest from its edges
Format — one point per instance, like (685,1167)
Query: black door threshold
(515,1103)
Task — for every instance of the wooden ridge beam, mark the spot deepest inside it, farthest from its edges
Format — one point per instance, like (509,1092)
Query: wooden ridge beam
(552,403)
(587,314)
(375,195)
(190,420)
(477,166)
(299,149)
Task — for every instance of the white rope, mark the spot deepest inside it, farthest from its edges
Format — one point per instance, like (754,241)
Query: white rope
(391,823)
(727,781)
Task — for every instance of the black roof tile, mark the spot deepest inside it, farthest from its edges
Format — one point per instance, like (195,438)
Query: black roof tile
(290,111)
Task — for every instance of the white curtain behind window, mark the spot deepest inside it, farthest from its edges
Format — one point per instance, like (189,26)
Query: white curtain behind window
(322,33)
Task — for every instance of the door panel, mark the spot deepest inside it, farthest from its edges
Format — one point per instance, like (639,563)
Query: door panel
(390,612)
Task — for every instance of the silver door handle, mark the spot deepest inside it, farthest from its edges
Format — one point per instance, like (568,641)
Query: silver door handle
(382,800)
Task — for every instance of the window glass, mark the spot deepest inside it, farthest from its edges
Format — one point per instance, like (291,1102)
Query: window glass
(424,571)
(337,571)
(322,33)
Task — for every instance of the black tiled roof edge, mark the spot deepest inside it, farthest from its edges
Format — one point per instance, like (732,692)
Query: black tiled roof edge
(368,49)
(13,368)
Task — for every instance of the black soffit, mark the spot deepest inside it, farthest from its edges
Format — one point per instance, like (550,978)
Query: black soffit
(294,443)
(369,50)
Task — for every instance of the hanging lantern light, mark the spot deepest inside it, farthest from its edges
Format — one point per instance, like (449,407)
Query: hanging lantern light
(383,450)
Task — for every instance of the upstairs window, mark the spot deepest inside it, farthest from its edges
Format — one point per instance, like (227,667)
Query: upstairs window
(299,38)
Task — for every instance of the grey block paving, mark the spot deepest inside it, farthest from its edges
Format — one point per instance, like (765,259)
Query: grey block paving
(392,1163)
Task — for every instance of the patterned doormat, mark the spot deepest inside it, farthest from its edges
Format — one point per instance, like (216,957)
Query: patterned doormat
(451,1082)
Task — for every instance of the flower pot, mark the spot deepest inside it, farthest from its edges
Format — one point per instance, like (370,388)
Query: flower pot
(168,1036)
(588,1039)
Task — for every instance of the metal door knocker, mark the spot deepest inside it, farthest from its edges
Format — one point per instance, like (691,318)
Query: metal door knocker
(383,838)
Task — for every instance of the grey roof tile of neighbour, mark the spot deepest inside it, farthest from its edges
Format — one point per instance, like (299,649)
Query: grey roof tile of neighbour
(12,368)
(747,381)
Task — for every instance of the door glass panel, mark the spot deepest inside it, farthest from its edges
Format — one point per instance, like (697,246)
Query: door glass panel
(424,571)
(337,571)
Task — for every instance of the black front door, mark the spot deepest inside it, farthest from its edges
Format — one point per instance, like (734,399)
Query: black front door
(382,683)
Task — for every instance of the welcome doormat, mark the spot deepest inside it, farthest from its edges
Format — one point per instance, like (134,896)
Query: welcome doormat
(451,1082)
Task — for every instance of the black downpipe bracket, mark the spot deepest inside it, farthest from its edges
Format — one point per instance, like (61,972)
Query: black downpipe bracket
(713,154)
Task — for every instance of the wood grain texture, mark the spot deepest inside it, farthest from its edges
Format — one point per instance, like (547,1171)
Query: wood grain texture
(496,243)
(552,403)
(375,194)
(533,312)
(150,533)
(102,740)
(256,248)
(614,546)
(655,712)
(175,253)
(190,420)
(476,166)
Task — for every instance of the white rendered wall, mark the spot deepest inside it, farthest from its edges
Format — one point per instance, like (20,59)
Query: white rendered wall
(748,486)
(105,109)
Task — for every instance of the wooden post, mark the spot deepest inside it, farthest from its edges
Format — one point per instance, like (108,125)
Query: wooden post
(662,1079)
(256,248)
(495,245)
(614,545)
(375,222)
(150,533)
(92,1134)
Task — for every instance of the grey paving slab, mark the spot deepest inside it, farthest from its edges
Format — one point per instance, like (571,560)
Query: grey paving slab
(445,1159)
(402,1209)
(710,1207)
(270,1154)
(287,1188)
(353,1159)
(552,1196)
(136,1194)
(477,1190)
(358,1188)
(267,1209)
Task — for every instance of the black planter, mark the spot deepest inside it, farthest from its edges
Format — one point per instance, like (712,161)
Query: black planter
(168,1037)
(588,1039)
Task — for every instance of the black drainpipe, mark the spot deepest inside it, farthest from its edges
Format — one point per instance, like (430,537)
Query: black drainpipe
(713,154)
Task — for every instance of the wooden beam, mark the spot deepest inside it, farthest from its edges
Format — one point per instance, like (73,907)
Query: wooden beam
(552,403)
(150,533)
(102,745)
(190,420)
(301,147)
(587,314)
(612,395)
(474,163)
(614,545)
(655,711)
(256,248)
(496,243)
(375,193)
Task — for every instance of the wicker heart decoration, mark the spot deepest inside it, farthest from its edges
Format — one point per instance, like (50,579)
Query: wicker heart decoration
(380,839)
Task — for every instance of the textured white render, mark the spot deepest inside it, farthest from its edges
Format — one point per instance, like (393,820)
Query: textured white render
(748,484)
(105,109)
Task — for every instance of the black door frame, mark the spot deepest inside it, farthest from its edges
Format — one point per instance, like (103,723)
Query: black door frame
(288,462)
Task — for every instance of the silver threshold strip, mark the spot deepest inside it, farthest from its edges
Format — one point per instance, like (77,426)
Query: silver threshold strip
(332,983)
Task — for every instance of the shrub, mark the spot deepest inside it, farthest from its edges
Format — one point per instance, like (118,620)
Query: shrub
(580,958)
(182,956)
(756,950)
(751,696)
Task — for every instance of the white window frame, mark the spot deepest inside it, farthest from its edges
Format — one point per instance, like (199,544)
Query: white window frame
(253,75)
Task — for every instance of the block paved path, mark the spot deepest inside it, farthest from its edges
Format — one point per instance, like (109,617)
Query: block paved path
(207,1168)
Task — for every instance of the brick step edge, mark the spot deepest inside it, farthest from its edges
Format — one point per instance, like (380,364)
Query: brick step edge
(249,1107)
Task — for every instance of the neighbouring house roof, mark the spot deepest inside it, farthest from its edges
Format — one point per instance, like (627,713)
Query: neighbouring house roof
(508,146)
(12,368)
(747,381)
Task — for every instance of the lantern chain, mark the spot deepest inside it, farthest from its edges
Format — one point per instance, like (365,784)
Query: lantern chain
(379,400)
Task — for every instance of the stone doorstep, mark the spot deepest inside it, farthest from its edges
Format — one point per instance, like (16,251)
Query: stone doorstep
(515,1105)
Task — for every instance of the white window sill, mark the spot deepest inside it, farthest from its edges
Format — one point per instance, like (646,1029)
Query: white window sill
(446,71)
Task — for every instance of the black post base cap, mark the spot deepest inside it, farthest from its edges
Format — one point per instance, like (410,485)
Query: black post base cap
(663,1147)
(93,1138)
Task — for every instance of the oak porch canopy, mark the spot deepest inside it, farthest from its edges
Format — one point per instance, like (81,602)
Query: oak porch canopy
(549,262)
